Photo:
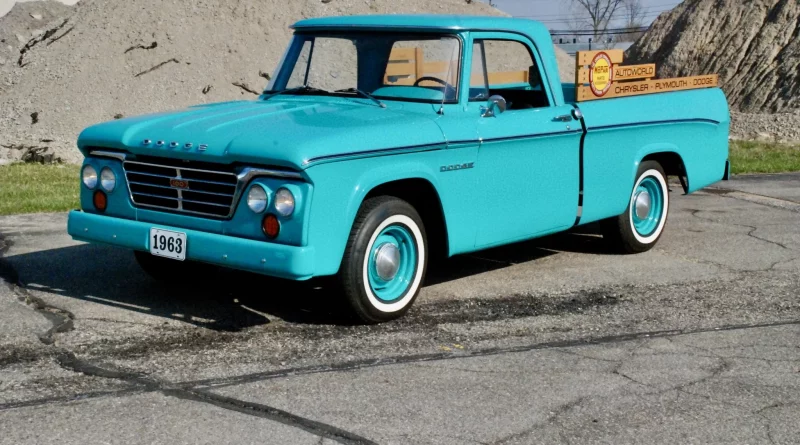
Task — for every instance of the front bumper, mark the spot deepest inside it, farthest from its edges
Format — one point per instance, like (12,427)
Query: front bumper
(296,263)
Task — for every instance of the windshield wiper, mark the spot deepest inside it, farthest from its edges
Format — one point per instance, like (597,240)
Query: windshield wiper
(365,94)
(302,89)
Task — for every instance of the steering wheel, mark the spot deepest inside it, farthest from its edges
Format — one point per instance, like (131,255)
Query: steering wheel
(448,88)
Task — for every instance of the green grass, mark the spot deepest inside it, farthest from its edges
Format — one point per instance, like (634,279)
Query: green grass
(33,188)
(764,157)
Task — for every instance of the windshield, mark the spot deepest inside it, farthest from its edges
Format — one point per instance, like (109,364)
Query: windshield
(408,67)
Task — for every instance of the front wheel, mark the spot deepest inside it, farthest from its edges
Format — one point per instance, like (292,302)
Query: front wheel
(385,260)
(640,227)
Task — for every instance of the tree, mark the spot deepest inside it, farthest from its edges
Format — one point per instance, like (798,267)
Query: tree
(634,19)
(597,15)
(634,13)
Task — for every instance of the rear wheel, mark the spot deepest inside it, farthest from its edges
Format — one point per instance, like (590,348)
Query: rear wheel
(385,260)
(640,227)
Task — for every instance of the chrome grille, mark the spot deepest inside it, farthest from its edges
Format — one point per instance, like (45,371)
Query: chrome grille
(208,192)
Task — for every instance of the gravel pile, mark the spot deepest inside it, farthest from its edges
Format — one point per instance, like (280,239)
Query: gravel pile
(115,58)
(779,127)
(754,45)
(24,22)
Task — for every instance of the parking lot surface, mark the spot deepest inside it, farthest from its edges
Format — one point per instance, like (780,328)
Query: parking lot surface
(548,341)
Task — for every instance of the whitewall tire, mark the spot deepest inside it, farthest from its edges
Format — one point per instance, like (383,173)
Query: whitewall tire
(641,226)
(385,260)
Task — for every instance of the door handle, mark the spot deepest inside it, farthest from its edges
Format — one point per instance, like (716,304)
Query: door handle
(563,118)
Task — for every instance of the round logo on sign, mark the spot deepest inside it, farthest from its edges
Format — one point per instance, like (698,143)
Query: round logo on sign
(600,74)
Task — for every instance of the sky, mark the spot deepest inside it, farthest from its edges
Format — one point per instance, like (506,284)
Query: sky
(553,12)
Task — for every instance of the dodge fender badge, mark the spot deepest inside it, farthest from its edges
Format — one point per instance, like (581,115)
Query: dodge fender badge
(449,168)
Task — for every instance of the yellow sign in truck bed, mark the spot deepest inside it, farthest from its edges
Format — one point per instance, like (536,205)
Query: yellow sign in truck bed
(601,75)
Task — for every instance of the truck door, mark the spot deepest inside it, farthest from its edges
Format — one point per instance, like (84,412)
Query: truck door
(528,159)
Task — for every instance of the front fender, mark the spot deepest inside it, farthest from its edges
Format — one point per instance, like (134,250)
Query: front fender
(373,178)
(340,189)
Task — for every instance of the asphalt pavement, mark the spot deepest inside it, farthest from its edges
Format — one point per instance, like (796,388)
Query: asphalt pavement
(555,340)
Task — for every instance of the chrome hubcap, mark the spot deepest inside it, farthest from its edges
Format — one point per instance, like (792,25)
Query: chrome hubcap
(643,203)
(387,261)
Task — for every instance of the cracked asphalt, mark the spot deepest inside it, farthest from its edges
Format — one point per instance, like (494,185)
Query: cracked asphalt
(549,341)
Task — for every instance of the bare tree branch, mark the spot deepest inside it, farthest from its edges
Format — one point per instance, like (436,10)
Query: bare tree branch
(634,13)
(634,18)
(598,14)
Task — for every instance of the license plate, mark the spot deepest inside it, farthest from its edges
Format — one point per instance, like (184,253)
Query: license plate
(168,244)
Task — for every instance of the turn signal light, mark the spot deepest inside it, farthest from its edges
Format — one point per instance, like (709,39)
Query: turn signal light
(100,201)
(271,226)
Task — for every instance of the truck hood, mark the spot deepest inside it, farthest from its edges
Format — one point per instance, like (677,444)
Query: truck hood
(291,133)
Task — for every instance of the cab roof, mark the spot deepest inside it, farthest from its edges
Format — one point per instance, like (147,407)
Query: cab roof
(537,32)
(426,22)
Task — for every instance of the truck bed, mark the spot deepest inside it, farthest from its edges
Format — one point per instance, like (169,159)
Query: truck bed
(693,125)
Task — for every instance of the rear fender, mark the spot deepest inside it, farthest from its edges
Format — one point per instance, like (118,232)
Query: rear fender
(650,150)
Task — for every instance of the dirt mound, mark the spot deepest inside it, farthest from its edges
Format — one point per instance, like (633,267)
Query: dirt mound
(24,22)
(754,45)
(115,58)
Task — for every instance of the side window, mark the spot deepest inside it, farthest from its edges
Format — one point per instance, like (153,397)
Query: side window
(506,68)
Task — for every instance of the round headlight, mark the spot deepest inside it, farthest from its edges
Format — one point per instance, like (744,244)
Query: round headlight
(107,179)
(89,177)
(257,199)
(284,202)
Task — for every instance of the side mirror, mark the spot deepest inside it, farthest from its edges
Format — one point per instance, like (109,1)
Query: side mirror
(494,106)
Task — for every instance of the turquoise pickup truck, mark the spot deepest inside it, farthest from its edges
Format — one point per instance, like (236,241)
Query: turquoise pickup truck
(384,142)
